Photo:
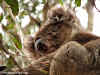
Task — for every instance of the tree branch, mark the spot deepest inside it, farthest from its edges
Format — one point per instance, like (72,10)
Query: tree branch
(89,8)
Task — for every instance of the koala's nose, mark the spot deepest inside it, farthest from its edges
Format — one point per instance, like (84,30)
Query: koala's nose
(40,46)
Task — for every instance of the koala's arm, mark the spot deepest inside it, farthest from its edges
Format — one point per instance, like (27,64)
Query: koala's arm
(76,59)
(84,37)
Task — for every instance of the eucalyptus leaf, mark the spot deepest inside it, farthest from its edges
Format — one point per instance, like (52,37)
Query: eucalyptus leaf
(13,5)
(78,2)
(8,27)
(10,24)
(43,1)
(0,36)
(61,2)
(16,40)
(1,17)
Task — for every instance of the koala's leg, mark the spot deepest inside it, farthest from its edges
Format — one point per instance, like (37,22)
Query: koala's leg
(71,59)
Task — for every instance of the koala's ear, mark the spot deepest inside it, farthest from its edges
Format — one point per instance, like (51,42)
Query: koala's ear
(70,16)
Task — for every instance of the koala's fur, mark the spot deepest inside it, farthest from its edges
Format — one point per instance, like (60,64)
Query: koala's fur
(60,28)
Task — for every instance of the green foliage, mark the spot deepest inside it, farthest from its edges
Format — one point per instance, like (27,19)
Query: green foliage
(78,3)
(8,27)
(9,62)
(13,40)
(13,5)
(43,1)
(35,5)
(1,17)
(0,36)
(0,1)
(61,2)
(45,72)
(9,18)
(16,40)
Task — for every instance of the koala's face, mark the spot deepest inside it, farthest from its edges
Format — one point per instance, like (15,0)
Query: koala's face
(50,37)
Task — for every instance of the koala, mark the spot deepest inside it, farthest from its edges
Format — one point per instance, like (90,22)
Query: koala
(60,28)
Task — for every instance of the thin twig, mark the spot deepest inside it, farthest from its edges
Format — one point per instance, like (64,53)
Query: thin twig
(89,9)
(45,10)
(35,20)
(96,6)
